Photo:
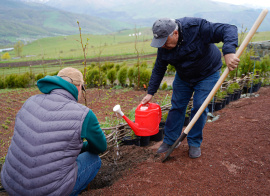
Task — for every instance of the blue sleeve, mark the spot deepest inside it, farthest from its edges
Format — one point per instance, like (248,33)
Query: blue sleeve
(157,75)
(91,131)
(219,32)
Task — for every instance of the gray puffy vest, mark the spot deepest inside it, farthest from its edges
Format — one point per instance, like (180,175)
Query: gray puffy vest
(41,159)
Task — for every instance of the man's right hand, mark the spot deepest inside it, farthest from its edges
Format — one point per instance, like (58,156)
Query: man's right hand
(146,99)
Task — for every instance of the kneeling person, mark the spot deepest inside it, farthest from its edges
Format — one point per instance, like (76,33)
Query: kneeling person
(47,155)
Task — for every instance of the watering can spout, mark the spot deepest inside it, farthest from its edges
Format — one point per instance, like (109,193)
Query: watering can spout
(133,126)
(147,119)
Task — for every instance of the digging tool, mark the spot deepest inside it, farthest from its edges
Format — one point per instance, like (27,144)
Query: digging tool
(218,84)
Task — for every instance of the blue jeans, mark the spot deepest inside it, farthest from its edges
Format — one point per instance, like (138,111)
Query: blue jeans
(88,166)
(182,92)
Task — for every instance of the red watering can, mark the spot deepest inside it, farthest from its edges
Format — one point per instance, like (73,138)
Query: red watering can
(147,119)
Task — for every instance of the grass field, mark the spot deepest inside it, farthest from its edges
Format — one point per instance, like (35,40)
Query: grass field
(69,47)
(63,49)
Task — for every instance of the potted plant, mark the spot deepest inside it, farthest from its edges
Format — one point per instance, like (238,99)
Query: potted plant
(234,90)
(131,139)
(220,100)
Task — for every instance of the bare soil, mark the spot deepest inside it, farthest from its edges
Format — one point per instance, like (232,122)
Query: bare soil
(235,159)
(235,152)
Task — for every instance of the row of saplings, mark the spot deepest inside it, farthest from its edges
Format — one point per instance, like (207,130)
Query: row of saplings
(231,91)
(97,75)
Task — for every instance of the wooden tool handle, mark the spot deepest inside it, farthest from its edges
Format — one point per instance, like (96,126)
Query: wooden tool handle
(226,72)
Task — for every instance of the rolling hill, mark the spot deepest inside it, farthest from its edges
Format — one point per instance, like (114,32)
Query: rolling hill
(145,12)
(26,21)
(32,19)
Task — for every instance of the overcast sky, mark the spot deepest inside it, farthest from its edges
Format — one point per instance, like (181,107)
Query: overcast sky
(255,3)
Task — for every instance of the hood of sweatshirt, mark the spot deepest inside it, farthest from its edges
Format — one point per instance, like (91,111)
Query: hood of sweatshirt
(49,83)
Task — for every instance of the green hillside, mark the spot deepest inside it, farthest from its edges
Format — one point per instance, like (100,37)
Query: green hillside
(116,44)
(21,21)
(69,47)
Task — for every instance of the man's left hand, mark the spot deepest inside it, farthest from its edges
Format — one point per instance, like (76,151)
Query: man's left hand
(231,61)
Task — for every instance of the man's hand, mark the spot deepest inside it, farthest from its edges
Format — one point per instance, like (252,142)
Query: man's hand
(231,61)
(146,99)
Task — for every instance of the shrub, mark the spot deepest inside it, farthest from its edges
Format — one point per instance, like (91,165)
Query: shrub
(2,83)
(145,75)
(54,73)
(92,77)
(246,64)
(144,64)
(92,66)
(131,76)
(39,76)
(171,69)
(103,80)
(111,75)
(107,66)
(232,87)
(220,94)
(6,56)
(22,81)
(164,86)
(118,66)
(122,75)
(11,81)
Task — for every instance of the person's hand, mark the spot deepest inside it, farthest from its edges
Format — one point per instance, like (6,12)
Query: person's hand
(231,61)
(146,99)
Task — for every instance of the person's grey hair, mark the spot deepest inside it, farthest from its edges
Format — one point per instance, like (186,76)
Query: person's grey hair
(176,28)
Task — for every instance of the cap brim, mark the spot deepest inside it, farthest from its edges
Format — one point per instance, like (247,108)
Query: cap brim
(157,43)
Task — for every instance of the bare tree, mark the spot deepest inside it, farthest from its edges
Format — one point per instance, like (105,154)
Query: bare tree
(18,48)
(85,50)
(136,35)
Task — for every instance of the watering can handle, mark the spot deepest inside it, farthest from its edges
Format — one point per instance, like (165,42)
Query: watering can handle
(149,103)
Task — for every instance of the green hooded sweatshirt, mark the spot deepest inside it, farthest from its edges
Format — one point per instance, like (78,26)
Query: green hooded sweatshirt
(91,131)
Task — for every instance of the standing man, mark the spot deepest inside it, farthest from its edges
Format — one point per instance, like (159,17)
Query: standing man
(188,44)
(47,155)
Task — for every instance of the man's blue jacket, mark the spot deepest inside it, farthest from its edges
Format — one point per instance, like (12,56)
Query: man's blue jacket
(196,56)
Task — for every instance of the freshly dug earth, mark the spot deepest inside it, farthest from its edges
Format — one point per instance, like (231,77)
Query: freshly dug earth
(235,155)
(235,159)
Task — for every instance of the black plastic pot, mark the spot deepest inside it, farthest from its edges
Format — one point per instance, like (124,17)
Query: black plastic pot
(227,99)
(236,95)
(211,106)
(159,136)
(128,140)
(218,105)
(239,93)
(145,140)
(231,95)
(255,87)
(245,90)
(223,103)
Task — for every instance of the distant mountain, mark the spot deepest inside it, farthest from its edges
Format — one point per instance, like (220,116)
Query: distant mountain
(28,20)
(145,12)
(31,19)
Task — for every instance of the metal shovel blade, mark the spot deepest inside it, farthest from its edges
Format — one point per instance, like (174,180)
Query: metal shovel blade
(176,144)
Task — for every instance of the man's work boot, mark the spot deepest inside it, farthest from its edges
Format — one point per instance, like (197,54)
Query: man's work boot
(194,152)
(163,148)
